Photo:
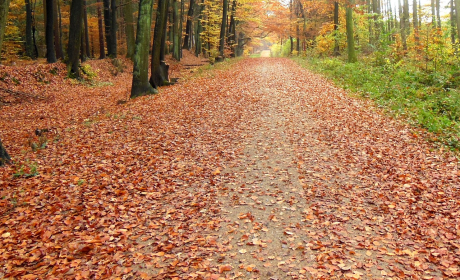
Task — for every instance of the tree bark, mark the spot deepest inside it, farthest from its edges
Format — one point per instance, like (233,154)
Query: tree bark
(49,34)
(4,7)
(176,36)
(452,22)
(223,31)
(57,33)
(438,14)
(415,22)
(129,27)
(159,69)
(4,156)
(433,14)
(86,31)
(336,29)
(457,14)
(188,26)
(232,29)
(140,58)
(350,37)
(199,29)
(402,16)
(30,51)
(108,24)
(113,28)
(73,49)
(101,31)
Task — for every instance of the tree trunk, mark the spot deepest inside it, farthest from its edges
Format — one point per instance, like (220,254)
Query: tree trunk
(452,23)
(433,14)
(49,35)
(128,14)
(336,28)
(402,16)
(188,26)
(438,14)
(56,31)
(101,31)
(457,14)
(350,37)
(30,51)
(223,31)
(199,29)
(83,54)
(4,156)
(4,7)
(176,37)
(415,22)
(181,25)
(159,69)
(406,17)
(141,83)
(108,23)
(73,49)
(86,31)
(232,29)
(113,28)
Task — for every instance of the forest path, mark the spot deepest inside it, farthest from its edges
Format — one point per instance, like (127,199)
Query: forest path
(256,169)
(324,186)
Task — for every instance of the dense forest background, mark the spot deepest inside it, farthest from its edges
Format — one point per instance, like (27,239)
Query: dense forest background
(403,54)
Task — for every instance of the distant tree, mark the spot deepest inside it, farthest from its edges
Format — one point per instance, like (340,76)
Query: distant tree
(141,83)
(113,28)
(30,50)
(49,34)
(4,156)
(350,37)
(101,32)
(188,26)
(75,31)
(108,25)
(336,28)
(223,31)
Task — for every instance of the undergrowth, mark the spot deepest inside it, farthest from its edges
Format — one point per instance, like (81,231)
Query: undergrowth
(427,99)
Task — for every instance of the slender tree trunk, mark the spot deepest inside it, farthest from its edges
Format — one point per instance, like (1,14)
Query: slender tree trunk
(86,31)
(159,70)
(170,26)
(128,14)
(75,30)
(4,7)
(141,83)
(113,28)
(370,19)
(406,17)
(188,26)
(101,32)
(457,15)
(199,29)
(181,25)
(223,31)
(108,25)
(176,37)
(415,22)
(438,14)
(452,23)
(4,156)
(56,31)
(49,34)
(30,51)
(403,20)
(433,14)
(336,28)
(232,29)
(350,36)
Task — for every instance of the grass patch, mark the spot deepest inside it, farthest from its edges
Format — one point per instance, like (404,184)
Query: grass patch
(427,99)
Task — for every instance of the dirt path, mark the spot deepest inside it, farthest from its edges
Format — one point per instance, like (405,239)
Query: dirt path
(257,169)
(325,187)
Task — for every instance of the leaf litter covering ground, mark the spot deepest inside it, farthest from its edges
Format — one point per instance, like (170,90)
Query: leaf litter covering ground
(263,170)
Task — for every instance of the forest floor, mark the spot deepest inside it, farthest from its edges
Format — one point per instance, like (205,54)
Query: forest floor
(255,169)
